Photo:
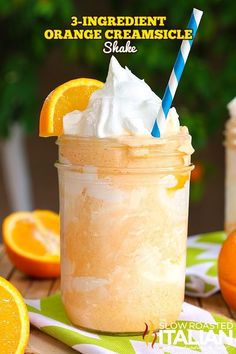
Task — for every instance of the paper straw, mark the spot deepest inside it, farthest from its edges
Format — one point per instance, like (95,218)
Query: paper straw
(176,74)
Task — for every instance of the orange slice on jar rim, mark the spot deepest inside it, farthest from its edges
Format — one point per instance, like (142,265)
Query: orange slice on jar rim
(70,96)
(32,242)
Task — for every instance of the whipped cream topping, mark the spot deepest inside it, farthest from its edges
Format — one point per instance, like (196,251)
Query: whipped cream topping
(232,108)
(124,106)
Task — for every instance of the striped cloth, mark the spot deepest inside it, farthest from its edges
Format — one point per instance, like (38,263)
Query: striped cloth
(196,331)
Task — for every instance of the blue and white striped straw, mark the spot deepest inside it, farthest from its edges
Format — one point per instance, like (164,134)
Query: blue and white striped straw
(176,74)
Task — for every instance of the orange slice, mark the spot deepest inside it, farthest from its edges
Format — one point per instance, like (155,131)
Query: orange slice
(14,320)
(226,270)
(65,98)
(32,242)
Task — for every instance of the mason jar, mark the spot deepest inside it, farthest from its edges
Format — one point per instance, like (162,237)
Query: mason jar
(124,216)
(230,175)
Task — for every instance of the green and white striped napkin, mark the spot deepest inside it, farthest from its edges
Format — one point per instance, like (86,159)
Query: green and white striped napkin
(196,331)
(201,270)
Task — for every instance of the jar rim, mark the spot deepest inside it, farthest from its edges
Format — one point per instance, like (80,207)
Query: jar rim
(130,140)
(128,171)
(173,151)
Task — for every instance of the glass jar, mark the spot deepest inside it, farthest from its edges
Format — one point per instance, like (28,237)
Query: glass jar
(124,217)
(230,177)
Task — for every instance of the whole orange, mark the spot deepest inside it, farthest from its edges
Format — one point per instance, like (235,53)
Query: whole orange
(227,270)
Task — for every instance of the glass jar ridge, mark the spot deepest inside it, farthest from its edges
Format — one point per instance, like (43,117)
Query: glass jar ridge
(128,154)
(230,175)
(230,133)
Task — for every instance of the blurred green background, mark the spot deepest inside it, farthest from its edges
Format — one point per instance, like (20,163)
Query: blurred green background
(31,66)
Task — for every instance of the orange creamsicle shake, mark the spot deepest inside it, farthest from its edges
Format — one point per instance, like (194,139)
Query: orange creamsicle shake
(230,178)
(124,209)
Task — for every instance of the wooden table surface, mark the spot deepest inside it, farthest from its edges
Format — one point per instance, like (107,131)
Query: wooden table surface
(41,343)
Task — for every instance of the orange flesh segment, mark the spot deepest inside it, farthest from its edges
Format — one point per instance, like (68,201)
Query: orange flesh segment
(32,242)
(49,220)
(10,323)
(35,233)
(23,235)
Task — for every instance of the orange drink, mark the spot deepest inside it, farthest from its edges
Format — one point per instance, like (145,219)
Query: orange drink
(124,216)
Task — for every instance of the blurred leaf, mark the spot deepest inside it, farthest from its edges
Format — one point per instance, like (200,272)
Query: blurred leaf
(44,8)
(197,191)
(23,50)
